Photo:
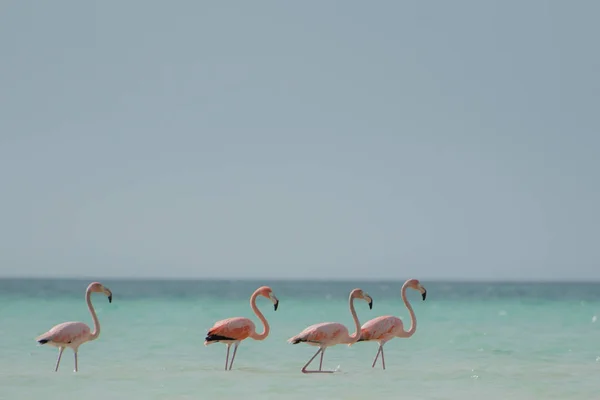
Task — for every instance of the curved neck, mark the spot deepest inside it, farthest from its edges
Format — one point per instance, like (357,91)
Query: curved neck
(413,318)
(356,335)
(96,332)
(266,329)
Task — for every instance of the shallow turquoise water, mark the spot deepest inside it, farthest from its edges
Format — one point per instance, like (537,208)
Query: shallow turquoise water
(526,341)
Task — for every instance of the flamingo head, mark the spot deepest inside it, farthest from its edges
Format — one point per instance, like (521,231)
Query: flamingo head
(267,292)
(416,285)
(361,294)
(97,287)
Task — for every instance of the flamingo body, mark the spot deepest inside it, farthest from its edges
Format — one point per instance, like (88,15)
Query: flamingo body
(67,334)
(230,330)
(381,329)
(323,334)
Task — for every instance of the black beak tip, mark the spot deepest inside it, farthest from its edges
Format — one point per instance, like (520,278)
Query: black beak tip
(110,298)
(424,295)
(276,305)
(371,305)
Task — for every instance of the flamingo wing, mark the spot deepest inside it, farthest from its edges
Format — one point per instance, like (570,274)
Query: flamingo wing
(230,329)
(65,334)
(323,333)
(379,328)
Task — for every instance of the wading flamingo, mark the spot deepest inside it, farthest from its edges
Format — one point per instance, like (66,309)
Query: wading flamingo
(328,334)
(234,330)
(74,334)
(383,329)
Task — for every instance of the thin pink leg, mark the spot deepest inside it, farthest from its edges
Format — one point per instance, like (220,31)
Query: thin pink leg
(305,371)
(76,361)
(321,363)
(376,357)
(60,351)
(382,357)
(227,356)
(234,351)
(309,361)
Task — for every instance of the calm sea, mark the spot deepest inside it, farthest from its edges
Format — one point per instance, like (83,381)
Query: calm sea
(474,340)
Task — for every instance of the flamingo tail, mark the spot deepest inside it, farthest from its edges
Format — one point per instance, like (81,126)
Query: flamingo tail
(300,339)
(43,339)
(296,340)
(210,338)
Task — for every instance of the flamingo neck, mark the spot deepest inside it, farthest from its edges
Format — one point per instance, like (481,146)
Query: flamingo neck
(266,328)
(413,318)
(356,335)
(96,332)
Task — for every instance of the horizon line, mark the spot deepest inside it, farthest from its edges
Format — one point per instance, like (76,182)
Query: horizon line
(312,279)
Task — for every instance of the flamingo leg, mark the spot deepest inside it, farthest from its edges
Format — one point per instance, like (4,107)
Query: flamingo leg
(376,357)
(382,357)
(60,351)
(321,362)
(234,351)
(75,361)
(227,356)
(305,371)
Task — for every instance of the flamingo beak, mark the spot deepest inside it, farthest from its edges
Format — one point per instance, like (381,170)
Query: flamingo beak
(109,294)
(370,303)
(424,294)
(276,304)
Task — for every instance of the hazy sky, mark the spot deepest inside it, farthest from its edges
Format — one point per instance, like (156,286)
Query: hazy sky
(354,139)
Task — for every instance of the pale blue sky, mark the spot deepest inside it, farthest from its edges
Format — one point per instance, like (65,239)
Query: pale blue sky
(354,139)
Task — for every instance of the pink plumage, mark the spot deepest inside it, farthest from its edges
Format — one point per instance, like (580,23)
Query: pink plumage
(74,334)
(383,329)
(327,334)
(233,330)
(330,333)
(67,334)
(236,328)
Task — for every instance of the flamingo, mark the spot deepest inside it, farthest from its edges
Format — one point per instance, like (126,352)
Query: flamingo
(74,334)
(233,330)
(329,334)
(383,329)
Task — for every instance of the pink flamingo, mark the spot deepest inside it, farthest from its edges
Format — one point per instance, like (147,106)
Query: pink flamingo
(74,334)
(383,329)
(233,330)
(328,334)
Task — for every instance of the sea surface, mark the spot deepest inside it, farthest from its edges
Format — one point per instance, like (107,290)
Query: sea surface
(473,341)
